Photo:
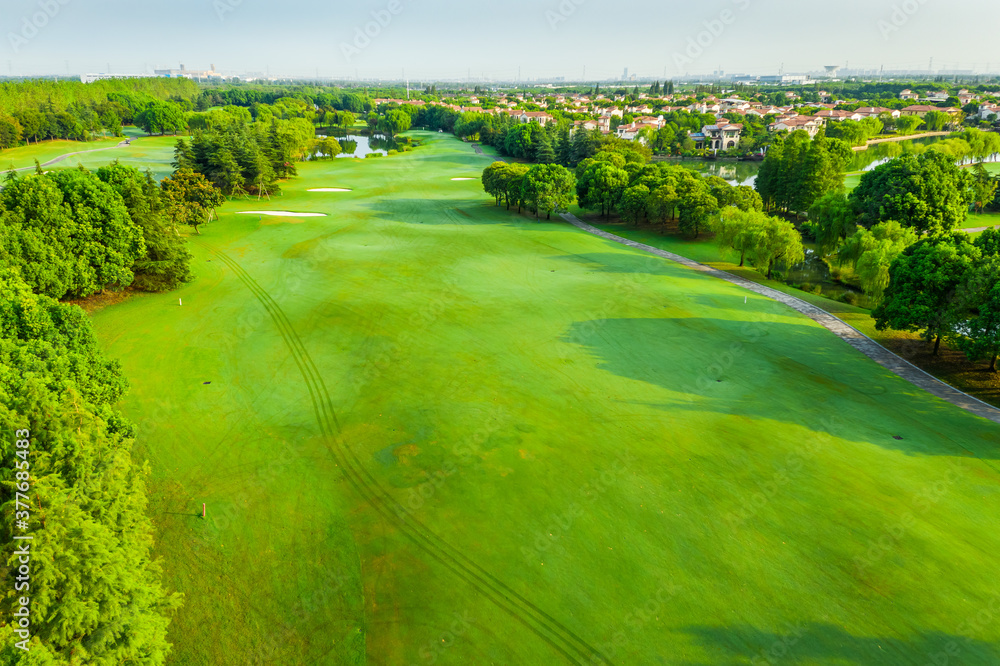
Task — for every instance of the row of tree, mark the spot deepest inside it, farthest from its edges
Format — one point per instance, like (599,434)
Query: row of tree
(95,591)
(33,111)
(239,156)
(74,233)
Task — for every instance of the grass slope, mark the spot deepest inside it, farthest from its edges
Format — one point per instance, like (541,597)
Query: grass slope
(671,475)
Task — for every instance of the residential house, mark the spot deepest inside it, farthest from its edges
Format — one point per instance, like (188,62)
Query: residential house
(719,137)
(809,124)
(923,109)
(908,94)
(868,111)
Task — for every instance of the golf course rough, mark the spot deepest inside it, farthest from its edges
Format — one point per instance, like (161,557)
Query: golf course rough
(438,432)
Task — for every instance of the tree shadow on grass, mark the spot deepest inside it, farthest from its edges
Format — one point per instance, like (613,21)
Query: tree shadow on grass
(781,371)
(819,643)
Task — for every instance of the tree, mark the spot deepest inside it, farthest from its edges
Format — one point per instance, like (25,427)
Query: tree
(167,262)
(96,594)
(634,203)
(346,120)
(695,206)
(908,124)
(735,230)
(395,122)
(833,220)
(775,240)
(160,118)
(936,120)
(544,152)
(190,198)
(923,282)
(493,180)
(928,193)
(979,336)
(871,253)
(549,188)
(601,186)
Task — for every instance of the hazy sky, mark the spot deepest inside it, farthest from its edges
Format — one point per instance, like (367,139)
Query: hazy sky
(449,39)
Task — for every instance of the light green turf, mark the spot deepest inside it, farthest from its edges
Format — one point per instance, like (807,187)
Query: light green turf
(548,404)
(153,153)
(976,220)
(25,156)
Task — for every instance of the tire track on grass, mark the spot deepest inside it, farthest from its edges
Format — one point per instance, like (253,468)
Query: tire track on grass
(546,627)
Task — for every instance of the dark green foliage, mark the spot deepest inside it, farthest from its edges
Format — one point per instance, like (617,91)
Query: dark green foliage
(928,193)
(68,233)
(95,593)
(240,157)
(923,285)
(798,171)
(167,262)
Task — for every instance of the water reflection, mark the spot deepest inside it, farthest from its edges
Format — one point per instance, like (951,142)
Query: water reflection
(358,145)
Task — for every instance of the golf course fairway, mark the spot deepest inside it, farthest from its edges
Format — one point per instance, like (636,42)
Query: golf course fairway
(428,430)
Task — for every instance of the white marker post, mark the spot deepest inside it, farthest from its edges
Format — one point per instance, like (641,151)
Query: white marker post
(203,511)
(180,301)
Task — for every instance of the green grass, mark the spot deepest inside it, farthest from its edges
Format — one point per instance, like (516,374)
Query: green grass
(155,153)
(981,220)
(25,156)
(547,403)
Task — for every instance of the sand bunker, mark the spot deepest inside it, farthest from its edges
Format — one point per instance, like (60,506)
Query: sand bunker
(465,179)
(282,213)
(330,189)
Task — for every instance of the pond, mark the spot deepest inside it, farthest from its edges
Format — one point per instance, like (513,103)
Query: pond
(359,145)
(814,275)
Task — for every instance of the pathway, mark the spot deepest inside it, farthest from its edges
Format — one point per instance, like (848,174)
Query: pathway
(844,331)
(123,144)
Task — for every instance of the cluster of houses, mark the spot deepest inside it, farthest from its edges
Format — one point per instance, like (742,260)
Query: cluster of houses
(809,116)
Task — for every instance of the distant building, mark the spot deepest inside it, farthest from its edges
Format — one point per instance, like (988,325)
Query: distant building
(184,73)
(90,78)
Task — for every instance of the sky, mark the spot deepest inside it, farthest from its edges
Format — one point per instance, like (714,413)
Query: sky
(425,40)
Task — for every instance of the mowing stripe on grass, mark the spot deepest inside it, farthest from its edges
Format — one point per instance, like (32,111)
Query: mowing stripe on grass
(546,627)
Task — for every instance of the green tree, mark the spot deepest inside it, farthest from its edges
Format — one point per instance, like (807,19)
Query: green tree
(927,192)
(908,124)
(601,186)
(167,262)
(923,282)
(549,188)
(634,204)
(695,206)
(833,220)
(979,298)
(190,198)
(775,240)
(871,253)
(735,231)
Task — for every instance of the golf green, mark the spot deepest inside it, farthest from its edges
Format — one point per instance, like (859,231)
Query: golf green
(428,430)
